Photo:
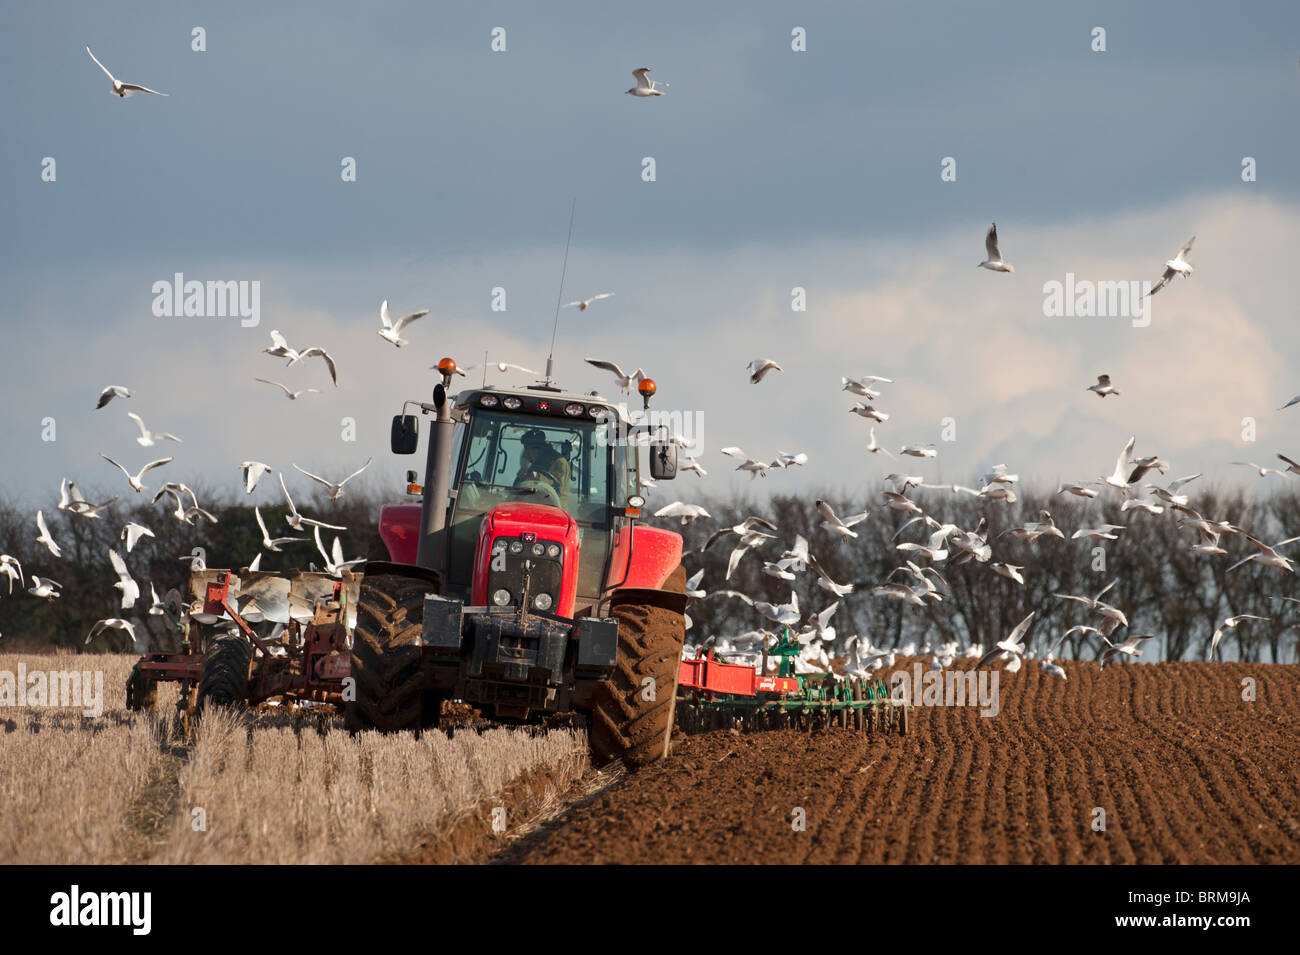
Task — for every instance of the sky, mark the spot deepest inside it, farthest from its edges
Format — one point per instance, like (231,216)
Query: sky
(774,170)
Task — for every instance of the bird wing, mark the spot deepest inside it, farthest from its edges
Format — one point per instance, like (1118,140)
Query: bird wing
(1122,461)
(1017,635)
(102,67)
(315,477)
(153,464)
(1182,253)
(1164,280)
(828,512)
(141,89)
(407,319)
(356,472)
(119,566)
(321,353)
(643,81)
(144,432)
(267,381)
(261,523)
(606,365)
(991,244)
(292,509)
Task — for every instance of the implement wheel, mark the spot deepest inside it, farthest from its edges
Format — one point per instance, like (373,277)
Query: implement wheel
(223,681)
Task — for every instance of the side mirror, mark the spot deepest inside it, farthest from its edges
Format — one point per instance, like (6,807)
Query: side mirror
(663,461)
(405,436)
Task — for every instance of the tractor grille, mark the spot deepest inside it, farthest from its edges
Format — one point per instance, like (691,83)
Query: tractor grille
(506,571)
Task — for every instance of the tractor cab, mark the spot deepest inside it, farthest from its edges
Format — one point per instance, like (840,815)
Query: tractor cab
(555,477)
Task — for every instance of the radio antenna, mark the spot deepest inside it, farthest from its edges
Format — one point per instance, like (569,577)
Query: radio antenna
(550,358)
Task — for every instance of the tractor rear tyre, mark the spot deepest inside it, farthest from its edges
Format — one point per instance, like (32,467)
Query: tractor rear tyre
(386,655)
(632,717)
(223,680)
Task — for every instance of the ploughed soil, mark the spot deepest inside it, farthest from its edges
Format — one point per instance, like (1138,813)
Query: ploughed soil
(1184,769)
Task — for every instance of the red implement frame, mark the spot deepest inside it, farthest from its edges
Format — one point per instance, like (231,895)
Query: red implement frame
(713,676)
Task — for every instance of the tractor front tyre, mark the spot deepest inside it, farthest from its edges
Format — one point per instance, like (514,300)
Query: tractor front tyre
(632,715)
(386,655)
(223,680)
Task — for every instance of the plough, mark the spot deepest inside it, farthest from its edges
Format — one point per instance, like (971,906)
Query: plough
(712,694)
(306,660)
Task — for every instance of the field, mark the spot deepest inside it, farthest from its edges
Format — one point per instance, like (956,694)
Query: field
(1185,769)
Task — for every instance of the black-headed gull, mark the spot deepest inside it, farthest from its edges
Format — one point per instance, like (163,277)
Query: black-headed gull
(1178,265)
(919,450)
(1170,494)
(749,526)
(1263,471)
(834,524)
(1103,387)
(583,304)
(1127,648)
(759,367)
(70,500)
(125,583)
(1104,533)
(994,261)
(134,479)
(624,380)
(269,542)
(874,448)
(119,88)
(862,386)
(1268,556)
(11,568)
(132,532)
(297,520)
(334,489)
(111,392)
(392,330)
(687,512)
(1079,490)
(1009,571)
(112,623)
(148,438)
(44,536)
(1014,643)
(253,471)
(291,395)
(692,465)
(867,411)
(1119,477)
(825,581)
(44,587)
(644,85)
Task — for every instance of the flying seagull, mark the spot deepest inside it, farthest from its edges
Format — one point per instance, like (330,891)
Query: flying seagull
(994,261)
(111,392)
(624,380)
(1012,644)
(44,536)
(296,520)
(392,331)
(132,532)
(147,437)
(583,304)
(134,479)
(119,88)
(1178,265)
(760,367)
(253,471)
(1103,387)
(112,623)
(335,489)
(291,395)
(644,85)
(125,583)
(272,544)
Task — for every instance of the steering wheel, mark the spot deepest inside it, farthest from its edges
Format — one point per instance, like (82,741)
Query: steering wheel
(545,490)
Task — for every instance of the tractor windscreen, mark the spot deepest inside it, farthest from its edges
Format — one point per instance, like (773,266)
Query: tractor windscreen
(552,461)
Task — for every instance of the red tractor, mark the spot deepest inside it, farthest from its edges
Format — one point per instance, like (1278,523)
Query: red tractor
(523,583)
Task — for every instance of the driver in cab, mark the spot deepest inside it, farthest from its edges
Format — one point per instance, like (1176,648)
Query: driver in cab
(541,463)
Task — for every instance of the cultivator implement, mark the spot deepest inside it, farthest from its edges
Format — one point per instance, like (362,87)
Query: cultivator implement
(716,695)
(271,636)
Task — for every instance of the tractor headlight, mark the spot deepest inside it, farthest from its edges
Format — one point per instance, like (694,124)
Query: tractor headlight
(553,551)
(488,401)
(542,601)
(501,598)
(516,547)
(512,404)
(539,550)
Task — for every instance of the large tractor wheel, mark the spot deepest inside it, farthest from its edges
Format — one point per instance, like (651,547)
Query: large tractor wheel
(632,718)
(386,655)
(223,681)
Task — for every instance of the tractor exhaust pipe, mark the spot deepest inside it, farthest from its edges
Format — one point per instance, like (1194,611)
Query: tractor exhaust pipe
(432,551)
